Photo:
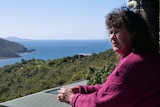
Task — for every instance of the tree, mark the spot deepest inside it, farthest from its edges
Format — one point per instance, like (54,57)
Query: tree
(98,75)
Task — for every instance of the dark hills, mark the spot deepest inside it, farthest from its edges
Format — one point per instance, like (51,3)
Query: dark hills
(10,49)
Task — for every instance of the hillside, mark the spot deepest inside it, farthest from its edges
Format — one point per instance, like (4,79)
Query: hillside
(30,76)
(10,49)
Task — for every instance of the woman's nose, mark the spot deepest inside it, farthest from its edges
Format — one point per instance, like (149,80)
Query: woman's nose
(112,36)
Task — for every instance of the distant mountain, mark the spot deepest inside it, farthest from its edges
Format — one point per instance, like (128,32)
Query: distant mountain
(10,49)
(12,38)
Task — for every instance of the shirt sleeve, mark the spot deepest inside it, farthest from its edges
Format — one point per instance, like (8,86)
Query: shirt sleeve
(107,96)
(87,89)
(110,96)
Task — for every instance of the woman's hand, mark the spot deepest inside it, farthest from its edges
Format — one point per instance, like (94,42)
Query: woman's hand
(75,89)
(65,94)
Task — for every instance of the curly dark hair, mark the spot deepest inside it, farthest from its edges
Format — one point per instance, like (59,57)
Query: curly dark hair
(136,25)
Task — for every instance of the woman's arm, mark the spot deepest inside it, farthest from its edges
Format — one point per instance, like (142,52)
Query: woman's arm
(113,93)
(110,94)
(87,89)
(114,98)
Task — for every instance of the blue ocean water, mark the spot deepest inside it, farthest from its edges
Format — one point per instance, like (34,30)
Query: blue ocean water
(53,49)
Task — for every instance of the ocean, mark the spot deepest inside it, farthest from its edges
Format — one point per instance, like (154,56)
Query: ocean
(54,49)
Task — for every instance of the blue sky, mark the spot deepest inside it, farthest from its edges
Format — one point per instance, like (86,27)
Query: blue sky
(55,19)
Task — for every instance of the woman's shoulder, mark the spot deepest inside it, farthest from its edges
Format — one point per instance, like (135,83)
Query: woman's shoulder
(140,59)
(139,65)
(131,58)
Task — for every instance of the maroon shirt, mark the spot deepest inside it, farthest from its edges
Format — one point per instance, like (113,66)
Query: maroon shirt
(135,82)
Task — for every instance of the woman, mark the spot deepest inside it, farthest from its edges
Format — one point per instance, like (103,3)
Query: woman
(135,82)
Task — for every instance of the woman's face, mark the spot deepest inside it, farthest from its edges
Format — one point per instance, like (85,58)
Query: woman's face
(121,40)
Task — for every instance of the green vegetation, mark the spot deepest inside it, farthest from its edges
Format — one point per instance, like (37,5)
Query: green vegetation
(30,76)
(10,49)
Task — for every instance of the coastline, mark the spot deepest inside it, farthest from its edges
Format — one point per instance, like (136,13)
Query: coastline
(50,50)
(18,54)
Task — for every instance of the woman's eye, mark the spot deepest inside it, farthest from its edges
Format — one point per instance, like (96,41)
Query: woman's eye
(111,32)
(117,32)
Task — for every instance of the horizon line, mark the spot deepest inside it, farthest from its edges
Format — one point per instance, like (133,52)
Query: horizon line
(18,38)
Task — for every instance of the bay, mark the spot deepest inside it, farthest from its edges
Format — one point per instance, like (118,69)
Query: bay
(54,49)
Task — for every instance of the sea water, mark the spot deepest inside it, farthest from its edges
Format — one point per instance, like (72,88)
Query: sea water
(54,49)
